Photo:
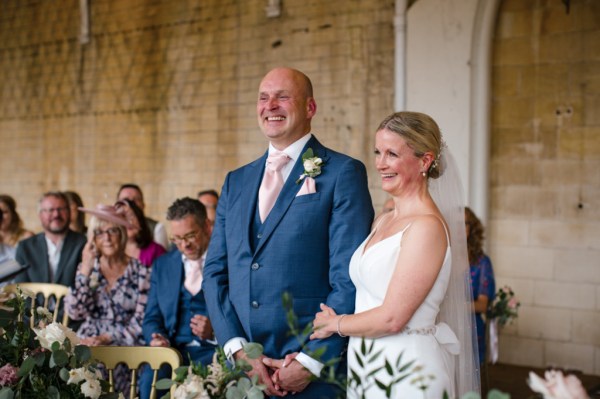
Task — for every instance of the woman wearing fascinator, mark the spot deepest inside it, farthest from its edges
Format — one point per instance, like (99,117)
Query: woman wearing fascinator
(411,274)
(111,289)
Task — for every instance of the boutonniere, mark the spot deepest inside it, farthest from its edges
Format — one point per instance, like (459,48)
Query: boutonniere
(312,165)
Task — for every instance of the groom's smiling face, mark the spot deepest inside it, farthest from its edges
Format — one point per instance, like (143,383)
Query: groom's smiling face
(284,107)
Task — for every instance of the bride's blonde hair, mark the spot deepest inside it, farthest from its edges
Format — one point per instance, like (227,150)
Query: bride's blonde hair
(421,133)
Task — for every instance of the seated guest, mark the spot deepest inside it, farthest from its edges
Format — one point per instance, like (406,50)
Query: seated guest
(176,314)
(52,256)
(482,276)
(6,251)
(77,217)
(140,243)
(134,193)
(111,288)
(11,228)
(209,199)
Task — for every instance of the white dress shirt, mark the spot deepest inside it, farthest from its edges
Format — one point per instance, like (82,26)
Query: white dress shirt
(53,256)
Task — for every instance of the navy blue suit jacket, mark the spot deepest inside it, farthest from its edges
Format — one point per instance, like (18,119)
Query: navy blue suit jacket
(305,250)
(163,300)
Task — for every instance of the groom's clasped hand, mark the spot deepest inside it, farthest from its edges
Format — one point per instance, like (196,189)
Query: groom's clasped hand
(287,374)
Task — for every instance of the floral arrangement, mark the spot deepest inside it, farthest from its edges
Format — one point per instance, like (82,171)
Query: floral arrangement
(216,381)
(43,362)
(557,386)
(505,306)
(312,165)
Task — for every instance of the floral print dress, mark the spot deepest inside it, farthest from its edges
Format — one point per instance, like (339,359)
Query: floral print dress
(117,311)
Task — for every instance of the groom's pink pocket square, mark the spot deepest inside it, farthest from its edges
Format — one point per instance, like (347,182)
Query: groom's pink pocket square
(308,187)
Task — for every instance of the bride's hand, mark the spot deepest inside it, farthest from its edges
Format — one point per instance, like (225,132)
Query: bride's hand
(324,324)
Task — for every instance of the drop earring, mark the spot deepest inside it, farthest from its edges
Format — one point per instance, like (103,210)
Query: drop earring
(424,174)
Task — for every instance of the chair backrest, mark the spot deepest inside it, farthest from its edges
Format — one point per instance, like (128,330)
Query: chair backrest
(134,357)
(47,290)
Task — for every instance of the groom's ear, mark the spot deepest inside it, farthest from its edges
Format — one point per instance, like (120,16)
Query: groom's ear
(311,107)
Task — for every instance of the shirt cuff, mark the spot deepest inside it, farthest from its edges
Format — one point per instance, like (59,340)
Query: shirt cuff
(311,364)
(232,346)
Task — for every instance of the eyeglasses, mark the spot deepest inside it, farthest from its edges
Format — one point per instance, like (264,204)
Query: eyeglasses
(111,232)
(189,237)
(52,210)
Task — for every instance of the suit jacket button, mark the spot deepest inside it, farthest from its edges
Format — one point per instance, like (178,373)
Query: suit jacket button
(259,235)
(255,304)
(255,266)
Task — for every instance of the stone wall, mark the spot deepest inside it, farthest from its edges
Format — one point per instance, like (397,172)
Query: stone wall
(544,233)
(163,94)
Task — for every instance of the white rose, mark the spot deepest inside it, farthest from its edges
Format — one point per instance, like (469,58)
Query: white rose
(192,388)
(55,332)
(91,389)
(310,165)
(76,376)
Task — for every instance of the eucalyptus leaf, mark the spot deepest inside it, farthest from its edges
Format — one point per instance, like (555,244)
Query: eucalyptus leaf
(55,346)
(59,358)
(244,384)
(52,392)
(164,383)
(67,345)
(26,367)
(468,395)
(496,394)
(64,374)
(82,353)
(39,358)
(234,393)
(6,393)
(253,350)
(255,393)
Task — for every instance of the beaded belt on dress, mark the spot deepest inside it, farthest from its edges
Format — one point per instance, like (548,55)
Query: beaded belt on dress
(420,331)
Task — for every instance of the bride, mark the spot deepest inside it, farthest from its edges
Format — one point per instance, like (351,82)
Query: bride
(411,276)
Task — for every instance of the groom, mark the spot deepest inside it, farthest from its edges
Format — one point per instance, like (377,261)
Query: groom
(274,235)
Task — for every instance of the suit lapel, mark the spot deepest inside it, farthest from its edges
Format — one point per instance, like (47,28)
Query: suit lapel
(252,178)
(43,256)
(173,284)
(289,191)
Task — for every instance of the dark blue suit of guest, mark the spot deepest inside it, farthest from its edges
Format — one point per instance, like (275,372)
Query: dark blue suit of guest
(175,316)
(170,309)
(303,247)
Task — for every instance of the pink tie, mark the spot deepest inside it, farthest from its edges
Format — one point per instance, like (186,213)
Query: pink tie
(271,184)
(193,279)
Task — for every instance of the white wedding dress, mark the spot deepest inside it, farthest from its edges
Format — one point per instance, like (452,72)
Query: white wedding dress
(432,346)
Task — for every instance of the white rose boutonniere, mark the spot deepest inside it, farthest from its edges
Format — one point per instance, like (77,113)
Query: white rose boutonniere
(312,165)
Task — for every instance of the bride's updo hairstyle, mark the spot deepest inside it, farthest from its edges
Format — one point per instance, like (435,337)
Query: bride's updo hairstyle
(421,133)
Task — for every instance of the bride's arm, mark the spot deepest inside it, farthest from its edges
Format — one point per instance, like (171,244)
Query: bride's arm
(418,265)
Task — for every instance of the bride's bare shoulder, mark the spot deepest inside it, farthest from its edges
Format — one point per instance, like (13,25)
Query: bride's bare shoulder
(429,223)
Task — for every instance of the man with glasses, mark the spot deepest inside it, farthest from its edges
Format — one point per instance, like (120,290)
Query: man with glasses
(176,313)
(51,256)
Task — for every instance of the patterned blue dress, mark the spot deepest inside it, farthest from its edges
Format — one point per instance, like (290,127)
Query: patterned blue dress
(482,283)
